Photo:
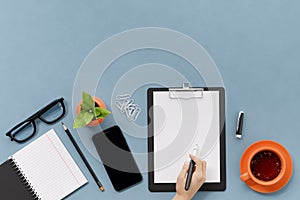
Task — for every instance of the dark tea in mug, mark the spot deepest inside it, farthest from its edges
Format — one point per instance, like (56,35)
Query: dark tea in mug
(265,165)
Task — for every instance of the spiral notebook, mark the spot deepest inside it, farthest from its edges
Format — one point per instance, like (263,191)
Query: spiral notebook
(44,169)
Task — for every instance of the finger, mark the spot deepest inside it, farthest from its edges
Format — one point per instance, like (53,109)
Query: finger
(183,171)
(204,166)
(200,169)
(204,169)
(196,160)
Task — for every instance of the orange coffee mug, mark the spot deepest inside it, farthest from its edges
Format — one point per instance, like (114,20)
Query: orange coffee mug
(266,166)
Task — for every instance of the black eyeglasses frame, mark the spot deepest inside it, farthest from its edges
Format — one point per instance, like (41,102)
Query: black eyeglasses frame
(31,120)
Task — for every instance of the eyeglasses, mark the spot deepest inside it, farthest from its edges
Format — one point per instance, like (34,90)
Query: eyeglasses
(49,114)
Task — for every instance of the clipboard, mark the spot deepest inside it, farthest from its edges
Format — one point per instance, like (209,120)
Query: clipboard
(171,119)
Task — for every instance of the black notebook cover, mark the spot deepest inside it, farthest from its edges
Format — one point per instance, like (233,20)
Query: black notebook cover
(11,186)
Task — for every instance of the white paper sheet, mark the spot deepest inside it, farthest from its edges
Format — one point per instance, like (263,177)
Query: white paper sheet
(178,126)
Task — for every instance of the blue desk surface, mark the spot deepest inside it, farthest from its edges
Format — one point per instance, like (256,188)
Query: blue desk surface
(255,45)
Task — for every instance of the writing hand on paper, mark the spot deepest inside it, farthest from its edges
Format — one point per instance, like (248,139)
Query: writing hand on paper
(198,179)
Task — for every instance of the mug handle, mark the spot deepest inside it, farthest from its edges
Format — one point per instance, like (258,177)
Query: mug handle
(244,177)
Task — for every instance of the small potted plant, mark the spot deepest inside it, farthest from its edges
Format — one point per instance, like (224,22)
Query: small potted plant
(90,111)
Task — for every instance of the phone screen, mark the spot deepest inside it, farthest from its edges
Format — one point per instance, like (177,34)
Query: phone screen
(117,158)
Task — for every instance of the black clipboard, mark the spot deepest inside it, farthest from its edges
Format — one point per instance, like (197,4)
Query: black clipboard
(171,187)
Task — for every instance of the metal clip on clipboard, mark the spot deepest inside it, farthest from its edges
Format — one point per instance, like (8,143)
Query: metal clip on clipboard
(186,92)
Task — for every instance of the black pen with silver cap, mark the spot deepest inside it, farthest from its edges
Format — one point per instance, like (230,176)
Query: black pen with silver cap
(239,127)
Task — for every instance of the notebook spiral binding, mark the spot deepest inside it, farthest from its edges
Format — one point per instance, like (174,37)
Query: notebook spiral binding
(24,179)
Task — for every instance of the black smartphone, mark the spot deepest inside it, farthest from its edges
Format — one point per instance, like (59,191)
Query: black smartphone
(117,158)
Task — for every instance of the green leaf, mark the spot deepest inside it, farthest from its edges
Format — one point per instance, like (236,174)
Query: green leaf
(79,122)
(87,100)
(97,111)
(82,119)
(101,112)
(85,107)
(88,117)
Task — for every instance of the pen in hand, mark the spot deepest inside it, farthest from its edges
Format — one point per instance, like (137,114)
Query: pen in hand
(190,171)
(83,157)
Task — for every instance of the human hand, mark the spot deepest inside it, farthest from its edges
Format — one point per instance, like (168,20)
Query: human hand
(198,178)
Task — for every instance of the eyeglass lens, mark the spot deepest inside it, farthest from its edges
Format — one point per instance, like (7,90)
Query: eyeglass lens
(23,131)
(53,114)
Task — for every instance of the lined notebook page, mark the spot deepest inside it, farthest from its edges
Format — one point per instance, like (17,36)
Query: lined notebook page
(49,167)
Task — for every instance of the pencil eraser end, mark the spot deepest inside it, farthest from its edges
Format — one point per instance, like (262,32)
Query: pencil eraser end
(101,188)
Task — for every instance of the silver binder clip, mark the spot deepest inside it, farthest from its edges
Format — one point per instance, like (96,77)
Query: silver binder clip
(186,92)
